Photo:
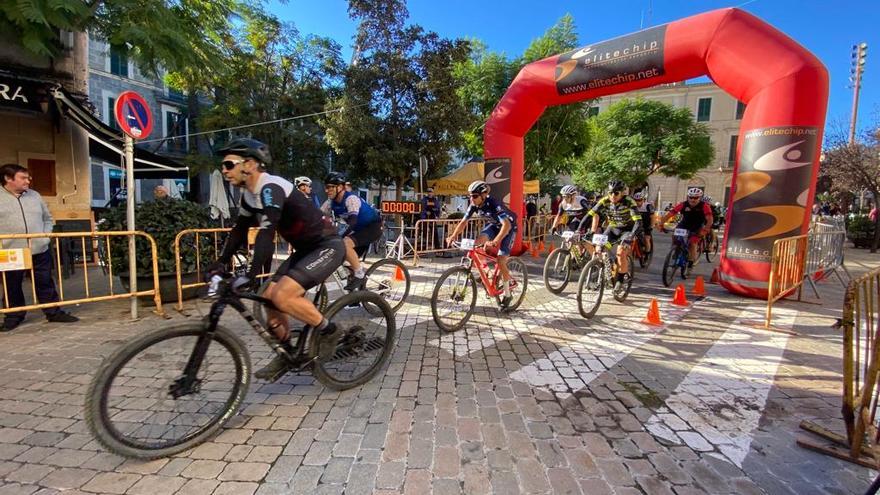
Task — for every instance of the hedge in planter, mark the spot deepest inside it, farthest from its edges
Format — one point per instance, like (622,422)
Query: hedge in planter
(860,231)
(162,219)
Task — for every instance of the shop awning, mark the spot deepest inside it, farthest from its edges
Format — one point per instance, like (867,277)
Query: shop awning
(105,143)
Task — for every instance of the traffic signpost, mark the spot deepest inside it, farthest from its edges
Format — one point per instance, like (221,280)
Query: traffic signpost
(136,121)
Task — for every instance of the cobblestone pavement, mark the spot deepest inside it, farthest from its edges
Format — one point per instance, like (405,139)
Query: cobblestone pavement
(540,401)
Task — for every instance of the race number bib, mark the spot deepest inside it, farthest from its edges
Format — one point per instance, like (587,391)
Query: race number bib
(681,232)
(467,244)
(567,235)
(599,239)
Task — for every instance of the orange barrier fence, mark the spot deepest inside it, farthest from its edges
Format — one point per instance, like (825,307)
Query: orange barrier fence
(537,228)
(803,258)
(212,250)
(93,253)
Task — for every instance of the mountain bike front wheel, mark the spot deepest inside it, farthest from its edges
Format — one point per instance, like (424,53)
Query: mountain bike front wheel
(591,285)
(142,404)
(454,298)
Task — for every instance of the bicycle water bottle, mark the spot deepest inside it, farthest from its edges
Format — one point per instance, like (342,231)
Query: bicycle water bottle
(213,285)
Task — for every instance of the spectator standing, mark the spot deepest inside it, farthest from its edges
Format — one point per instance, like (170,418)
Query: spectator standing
(873,214)
(431,211)
(23,211)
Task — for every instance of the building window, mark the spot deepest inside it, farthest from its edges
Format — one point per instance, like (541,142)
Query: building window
(731,153)
(42,174)
(592,111)
(98,192)
(740,110)
(704,109)
(175,127)
(111,113)
(118,62)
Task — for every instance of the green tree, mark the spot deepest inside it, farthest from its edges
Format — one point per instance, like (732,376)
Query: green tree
(560,137)
(399,101)
(156,33)
(853,168)
(634,139)
(275,73)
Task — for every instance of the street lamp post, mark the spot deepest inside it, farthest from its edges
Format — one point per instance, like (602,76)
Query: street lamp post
(859,54)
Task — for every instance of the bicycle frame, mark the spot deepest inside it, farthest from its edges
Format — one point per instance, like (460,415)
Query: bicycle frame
(480,259)
(226,297)
(682,244)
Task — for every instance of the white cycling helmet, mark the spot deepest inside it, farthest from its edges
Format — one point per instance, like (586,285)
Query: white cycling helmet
(302,181)
(695,192)
(640,195)
(568,190)
(478,186)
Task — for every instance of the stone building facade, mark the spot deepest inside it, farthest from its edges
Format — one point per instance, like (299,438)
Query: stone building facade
(712,106)
(32,131)
(110,74)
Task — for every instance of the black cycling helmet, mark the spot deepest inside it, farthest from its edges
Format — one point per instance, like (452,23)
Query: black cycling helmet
(616,186)
(336,179)
(248,148)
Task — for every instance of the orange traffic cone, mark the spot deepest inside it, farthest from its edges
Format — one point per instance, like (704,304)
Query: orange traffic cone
(542,246)
(653,317)
(679,299)
(715,278)
(534,250)
(699,287)
(399,276)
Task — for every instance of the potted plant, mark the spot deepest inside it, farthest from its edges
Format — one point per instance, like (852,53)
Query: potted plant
(163,219)
(860,231)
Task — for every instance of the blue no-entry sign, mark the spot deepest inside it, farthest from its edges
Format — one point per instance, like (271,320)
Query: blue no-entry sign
(133,115)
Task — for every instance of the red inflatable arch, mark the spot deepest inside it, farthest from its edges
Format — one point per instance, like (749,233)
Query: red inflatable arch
(784,86)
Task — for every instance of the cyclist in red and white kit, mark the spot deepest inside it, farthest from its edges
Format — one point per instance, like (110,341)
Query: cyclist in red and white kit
(696,217)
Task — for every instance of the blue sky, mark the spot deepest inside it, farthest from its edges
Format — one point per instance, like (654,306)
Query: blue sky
(827,28)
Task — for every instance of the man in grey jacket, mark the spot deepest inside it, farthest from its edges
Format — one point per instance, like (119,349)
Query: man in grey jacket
(23,211)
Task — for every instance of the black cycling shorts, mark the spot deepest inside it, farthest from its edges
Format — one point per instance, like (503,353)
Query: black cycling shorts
(367,235)
(311,267)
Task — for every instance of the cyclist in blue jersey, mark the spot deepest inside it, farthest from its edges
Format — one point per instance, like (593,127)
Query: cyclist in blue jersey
(364,224)
(500,229)
(304,184)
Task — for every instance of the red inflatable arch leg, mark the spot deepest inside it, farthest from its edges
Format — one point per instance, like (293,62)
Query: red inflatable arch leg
(784,86)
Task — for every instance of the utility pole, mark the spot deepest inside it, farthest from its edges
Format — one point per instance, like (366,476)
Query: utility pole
(859,54)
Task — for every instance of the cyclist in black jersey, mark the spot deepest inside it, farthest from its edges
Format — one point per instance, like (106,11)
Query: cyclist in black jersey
(624,221)
(274,205)
(646,210)
(696,217)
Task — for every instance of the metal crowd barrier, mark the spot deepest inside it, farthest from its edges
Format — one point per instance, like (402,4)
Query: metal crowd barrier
(97,243)
(825,254)
(861,363)
(803,258)
(430,235)
(217,245)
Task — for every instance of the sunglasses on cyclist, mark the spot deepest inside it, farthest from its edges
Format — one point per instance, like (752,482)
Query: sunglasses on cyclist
(690,198)
(230,164)
(476,195)
(616,193)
